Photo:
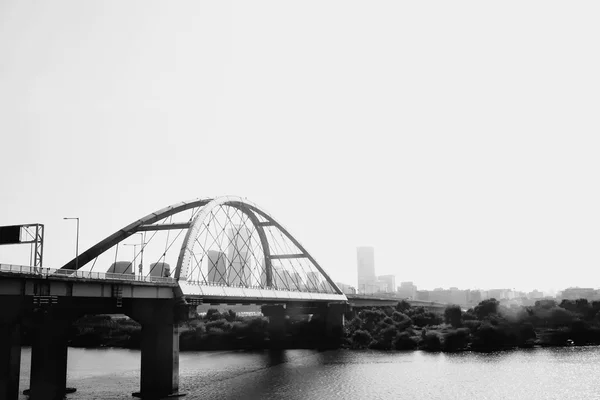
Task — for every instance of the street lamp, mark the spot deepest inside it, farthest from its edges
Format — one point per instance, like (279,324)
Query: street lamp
(135,246)
(142,244)
(76,243)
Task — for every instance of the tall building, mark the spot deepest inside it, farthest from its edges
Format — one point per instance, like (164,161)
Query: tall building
(388,283)
(366,269)
(263,274)
(296,281)
(279,277)
(238,256)
(217,270)
(313,280)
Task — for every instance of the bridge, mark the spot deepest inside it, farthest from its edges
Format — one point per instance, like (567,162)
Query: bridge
(224,250)
(373,300)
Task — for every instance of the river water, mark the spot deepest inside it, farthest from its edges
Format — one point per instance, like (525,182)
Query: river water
(560,373)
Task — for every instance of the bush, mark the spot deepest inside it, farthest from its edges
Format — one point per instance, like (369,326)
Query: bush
(361,338)
(494,337)
(456,340)
(405,342)
(431,341)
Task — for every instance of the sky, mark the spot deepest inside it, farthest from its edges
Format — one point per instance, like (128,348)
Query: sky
(459,139)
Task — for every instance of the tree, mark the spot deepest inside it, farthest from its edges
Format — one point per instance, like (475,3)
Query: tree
(213,314)
(403,306)
(453,315)
(486,308)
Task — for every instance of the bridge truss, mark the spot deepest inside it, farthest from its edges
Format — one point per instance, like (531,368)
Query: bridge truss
(224,247)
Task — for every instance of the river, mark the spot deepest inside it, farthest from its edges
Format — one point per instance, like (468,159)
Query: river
(557,373)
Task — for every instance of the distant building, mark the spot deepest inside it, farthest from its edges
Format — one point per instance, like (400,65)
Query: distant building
(279,278)
(500,294)
(535,295)
(387,283)
(366,269)
(217,272)
(422,295)
(458,296)
(407,290)
(440,295)
(580,293)
(296,281)
(238,255)
(347,289)
(474,297)
(313,280)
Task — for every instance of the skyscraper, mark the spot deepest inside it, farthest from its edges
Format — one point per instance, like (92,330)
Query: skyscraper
(312,281)
(366,269)
(238,256)
(217,271)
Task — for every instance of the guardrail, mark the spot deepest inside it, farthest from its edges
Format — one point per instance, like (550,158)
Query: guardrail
(49,272)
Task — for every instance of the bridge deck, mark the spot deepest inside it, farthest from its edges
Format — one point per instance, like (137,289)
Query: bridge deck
(207,292)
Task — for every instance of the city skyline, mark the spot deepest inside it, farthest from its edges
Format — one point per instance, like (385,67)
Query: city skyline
(488,159)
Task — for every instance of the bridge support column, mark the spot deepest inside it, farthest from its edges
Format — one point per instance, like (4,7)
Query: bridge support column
(276,314)
(332,317)
(160,350)
(10,360)
(160,360)
(49,352)
(334,320)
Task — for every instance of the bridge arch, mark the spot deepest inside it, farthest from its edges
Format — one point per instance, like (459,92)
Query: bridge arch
(260,220)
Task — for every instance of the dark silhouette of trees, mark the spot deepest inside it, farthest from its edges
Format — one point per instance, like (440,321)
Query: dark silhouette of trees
(453,316)
(486,308)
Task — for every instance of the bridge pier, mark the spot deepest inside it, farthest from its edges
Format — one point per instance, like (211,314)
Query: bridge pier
(10,359)
(49,353)
(334,320)
(276,314)
(10,346)
(160,350)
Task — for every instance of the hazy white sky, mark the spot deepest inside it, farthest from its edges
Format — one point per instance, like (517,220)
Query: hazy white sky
(460,139)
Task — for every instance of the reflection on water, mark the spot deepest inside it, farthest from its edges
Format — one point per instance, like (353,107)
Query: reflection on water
(565,373)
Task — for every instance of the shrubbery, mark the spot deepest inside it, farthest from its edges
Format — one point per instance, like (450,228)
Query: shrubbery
(488,326)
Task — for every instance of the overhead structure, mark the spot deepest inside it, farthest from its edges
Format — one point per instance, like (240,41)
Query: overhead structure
(228,246)
(25,234)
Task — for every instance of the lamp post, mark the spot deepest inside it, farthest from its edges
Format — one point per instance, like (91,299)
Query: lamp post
(76,243)
(135,245)
(142,244)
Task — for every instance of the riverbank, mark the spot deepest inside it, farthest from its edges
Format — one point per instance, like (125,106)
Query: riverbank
(486,327)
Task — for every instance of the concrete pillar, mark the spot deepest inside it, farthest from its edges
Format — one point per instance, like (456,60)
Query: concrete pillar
(276,314)
(159,375)
(334,320)
(160,360)
(49,352)
(10,360)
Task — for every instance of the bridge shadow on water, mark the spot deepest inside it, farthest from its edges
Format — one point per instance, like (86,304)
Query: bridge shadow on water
(271,375)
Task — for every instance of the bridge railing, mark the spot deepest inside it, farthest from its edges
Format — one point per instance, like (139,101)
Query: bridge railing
(47,272)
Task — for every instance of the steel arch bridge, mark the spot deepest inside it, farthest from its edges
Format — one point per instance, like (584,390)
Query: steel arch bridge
(228,248)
